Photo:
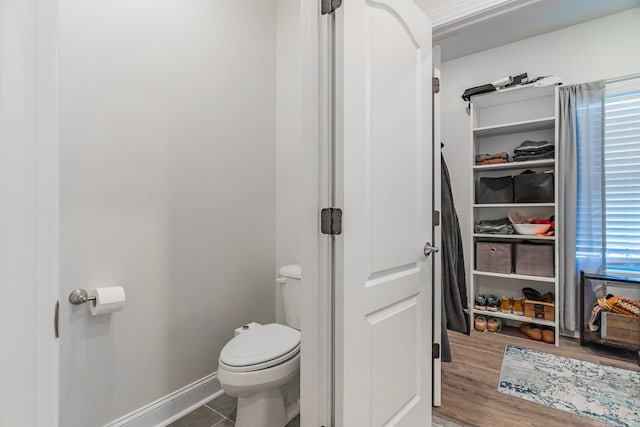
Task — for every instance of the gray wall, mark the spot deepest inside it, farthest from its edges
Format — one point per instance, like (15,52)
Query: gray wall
(167,135)
(598,49)
(289,172)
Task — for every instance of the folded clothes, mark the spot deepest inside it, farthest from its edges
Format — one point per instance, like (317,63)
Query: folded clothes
(491,162)
(549,154)
(483,157)
(533,146)
(495,226)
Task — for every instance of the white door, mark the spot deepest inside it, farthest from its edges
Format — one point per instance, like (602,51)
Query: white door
(384,167)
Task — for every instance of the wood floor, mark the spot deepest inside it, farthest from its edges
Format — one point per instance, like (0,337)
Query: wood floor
(470,383)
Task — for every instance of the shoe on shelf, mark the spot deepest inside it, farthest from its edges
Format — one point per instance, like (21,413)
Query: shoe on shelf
(548,336)
(481,323)
(494,325)
(531,331)
(480,302)
(518,306)
(492,303)
(532,294)
(548,297)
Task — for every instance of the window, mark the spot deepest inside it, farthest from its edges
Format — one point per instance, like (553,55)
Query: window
(622,180)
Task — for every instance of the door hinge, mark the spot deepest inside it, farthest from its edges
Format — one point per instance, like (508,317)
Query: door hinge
(56,320)
(331,221)
(436,218)
(436,85)
(435,350)
(329,6)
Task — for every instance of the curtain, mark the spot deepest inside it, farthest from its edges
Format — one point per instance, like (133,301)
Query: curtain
(581,191)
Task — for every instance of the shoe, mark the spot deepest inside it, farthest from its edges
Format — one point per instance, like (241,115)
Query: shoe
(531,331)
(492,303)
(494,325)
(481,323)
(532,294)
(518,306)
(480,302)
(548,297)
(548,336)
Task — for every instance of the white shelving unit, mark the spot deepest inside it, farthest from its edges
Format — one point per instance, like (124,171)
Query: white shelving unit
(500,121)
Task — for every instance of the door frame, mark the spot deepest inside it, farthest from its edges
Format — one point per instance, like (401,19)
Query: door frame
(315,351)
(316,376)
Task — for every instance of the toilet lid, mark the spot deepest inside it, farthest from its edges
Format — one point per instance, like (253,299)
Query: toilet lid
(261,347)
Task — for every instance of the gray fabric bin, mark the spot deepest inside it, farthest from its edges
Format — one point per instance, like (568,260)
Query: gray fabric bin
(534,260)
(495,257)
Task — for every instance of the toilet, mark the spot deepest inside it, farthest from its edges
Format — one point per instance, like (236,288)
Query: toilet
(261,367)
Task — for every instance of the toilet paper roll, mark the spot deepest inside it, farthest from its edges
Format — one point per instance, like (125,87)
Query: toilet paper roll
(108,300)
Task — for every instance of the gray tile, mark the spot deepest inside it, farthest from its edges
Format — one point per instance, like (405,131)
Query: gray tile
(294,422)
(225,405)
(224,423)
(201,417)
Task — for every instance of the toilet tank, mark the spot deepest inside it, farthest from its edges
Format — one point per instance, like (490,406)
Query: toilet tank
(290,280)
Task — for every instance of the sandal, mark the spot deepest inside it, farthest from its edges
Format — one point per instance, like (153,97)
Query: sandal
(481,324)
(531,331)
(492,303)
(480,302)
(494,325)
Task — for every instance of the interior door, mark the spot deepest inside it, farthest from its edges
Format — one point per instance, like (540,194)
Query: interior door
(384,159)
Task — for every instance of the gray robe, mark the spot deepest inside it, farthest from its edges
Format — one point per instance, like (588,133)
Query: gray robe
(454,284)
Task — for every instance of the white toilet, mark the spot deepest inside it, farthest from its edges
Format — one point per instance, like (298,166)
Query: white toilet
(261,366)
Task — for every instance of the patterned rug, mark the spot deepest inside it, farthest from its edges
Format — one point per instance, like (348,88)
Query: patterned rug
(604,393)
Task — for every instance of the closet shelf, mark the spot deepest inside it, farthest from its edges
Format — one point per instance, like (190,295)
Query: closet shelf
(513,236)
(513,94)
(515,276)
(516,127)
(516,165)
(514,317)
(513,205)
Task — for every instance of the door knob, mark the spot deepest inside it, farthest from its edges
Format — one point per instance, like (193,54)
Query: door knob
(428,249)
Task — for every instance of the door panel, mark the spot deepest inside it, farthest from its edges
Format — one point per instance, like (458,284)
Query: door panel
(384,155)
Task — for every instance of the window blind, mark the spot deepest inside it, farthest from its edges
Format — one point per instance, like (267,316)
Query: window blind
(622,181)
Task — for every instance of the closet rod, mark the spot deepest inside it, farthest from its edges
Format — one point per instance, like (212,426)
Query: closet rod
(623,78)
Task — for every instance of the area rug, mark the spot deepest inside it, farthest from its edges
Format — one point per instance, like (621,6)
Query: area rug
(604,393)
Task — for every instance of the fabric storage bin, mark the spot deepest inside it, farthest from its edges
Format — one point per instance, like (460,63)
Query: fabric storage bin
(540,310)
(534,259)
(494,257)
(495,190)
(533,188)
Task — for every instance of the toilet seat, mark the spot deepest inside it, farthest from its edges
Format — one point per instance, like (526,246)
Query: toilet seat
(260,348)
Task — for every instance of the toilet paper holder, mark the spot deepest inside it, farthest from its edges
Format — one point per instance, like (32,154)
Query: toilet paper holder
(80,296)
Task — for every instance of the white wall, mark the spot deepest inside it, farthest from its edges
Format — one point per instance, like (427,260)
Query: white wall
(289,172)
(18,177)
(598,49)
(167,135)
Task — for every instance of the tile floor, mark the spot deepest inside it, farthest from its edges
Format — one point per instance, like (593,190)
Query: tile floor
(221,412)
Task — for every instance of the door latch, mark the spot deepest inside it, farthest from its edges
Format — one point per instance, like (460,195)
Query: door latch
(428,249)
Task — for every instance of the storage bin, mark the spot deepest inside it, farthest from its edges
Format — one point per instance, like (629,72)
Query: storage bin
(620,328)
(534,259)
(540,310)
(495,190)
(533,188)
(494,257)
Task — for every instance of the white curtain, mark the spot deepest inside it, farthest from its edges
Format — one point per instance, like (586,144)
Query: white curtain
(581,191)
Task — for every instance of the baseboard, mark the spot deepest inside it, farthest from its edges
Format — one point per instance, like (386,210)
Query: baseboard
(172,406)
